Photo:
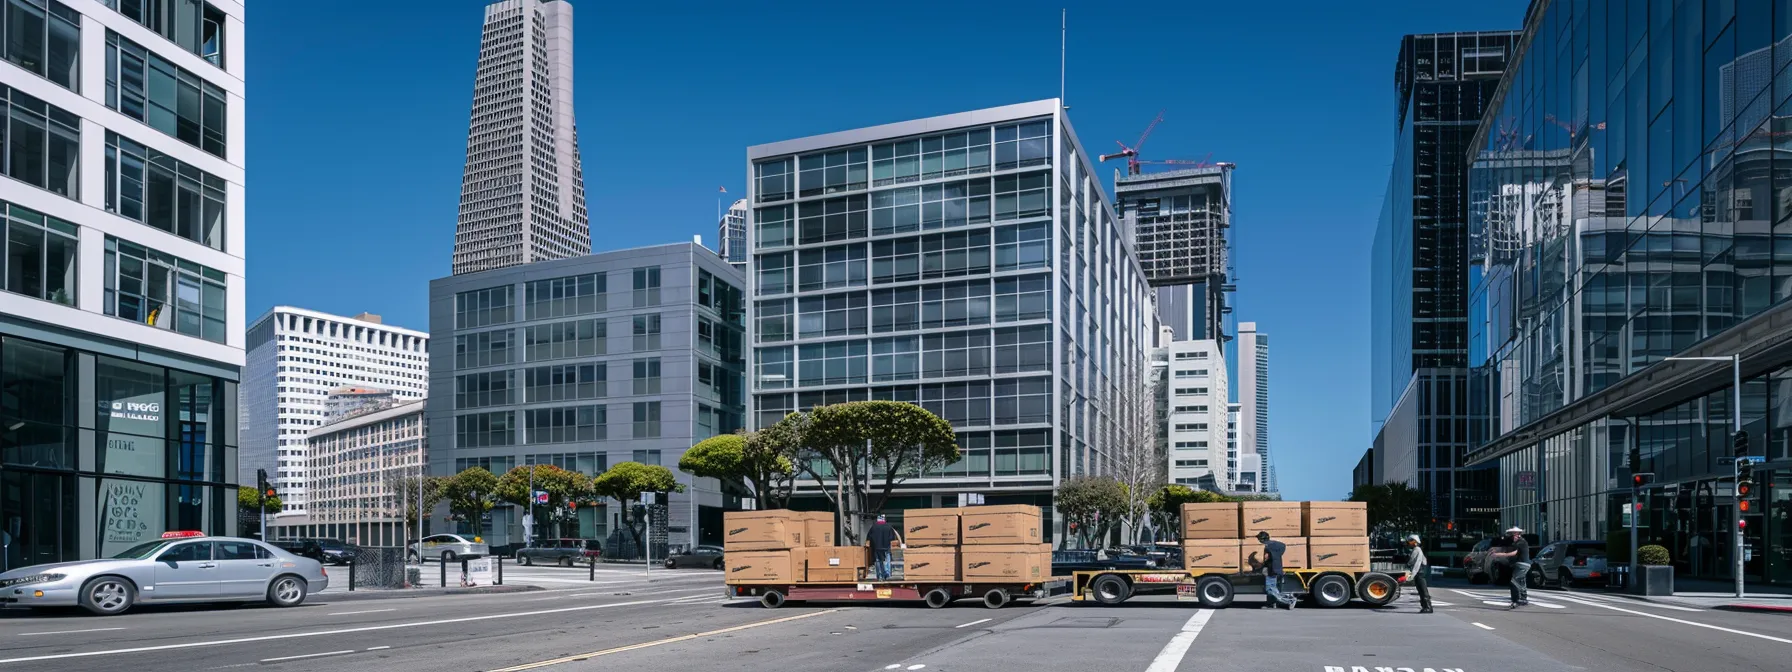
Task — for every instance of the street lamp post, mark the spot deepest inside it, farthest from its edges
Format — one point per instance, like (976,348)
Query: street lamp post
(1736,528)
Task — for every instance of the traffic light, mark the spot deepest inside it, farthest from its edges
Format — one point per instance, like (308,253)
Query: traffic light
(1745,479)
(261,480)
(1640,481)
(1741,443)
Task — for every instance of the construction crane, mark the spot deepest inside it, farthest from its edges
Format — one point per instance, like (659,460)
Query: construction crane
(1205,162)
(1132,153)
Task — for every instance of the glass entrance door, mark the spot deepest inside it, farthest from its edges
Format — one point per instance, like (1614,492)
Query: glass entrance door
(37,518)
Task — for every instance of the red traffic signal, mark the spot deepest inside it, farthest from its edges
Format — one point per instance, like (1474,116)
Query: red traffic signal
(1743,505)
(269,493)
(1741,524)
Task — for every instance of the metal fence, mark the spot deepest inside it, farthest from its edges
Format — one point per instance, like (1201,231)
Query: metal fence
(381,567)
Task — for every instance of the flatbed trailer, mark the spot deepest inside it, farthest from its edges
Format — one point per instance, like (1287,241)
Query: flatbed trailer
(936,594)
(1324,587)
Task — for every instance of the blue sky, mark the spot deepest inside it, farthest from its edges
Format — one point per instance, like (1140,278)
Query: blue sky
(358,117)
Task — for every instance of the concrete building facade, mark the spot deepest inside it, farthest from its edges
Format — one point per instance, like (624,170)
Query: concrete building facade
(1253,400)
(1197,417)
(356,466)
(1179,221)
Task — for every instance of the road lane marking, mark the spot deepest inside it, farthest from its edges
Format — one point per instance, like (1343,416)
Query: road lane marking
(352,613)
(323,633)
(1686,622)
(1170,658)
(980,620)
(66,632)
(308,655)
(1633,602)
(379,648)
(1483,626)
(658,642)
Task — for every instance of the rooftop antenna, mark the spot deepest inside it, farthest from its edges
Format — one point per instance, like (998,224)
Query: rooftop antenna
(1063,41)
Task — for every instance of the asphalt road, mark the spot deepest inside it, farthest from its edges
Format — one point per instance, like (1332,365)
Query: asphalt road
(682,621)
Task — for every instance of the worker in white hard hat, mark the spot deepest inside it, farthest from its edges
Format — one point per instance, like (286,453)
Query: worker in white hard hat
(1518,555)
(1418,569)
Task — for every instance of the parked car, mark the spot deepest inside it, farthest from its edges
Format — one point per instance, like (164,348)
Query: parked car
(180,567)
(447,547)
(1479,564)
(1164,554)
(1566,563)
(563,552)
(1066,561)
(327,551)
(706,557)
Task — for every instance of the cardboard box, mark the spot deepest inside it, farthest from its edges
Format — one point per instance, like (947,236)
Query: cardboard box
(842,564)
(818,528)
(1218,520)
(1336,519)
(771,530)
(1279,519)
(1251,556)
(1210,555)
(930,527)
(1338,553)
(930,563)
(762,567)
(1006,524)
(1003,562)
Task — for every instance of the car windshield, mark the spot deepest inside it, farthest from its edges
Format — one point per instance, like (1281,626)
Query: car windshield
(142,551)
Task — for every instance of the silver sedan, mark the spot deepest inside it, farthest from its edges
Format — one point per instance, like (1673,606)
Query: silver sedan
(178,569)
(446,547)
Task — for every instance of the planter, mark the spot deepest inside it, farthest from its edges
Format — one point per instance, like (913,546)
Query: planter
(1654,581)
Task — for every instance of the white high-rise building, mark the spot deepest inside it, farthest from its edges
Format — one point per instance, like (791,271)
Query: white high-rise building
(1253,400)
(1196,413)
(731,234)
(522,195)
(296,358)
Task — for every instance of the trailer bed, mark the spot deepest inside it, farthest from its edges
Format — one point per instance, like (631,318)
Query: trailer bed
(995,594)
(1325,586)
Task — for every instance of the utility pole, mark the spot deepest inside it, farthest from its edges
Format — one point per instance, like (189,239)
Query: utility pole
(1740,460)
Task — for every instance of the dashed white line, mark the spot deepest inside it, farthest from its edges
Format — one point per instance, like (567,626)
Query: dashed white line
(980,620)
(1691,623)
(1170,658)
(916,667)
(1483,626)
(352,613)
(893,667)
(1620,600)
(66,632)
(308,655)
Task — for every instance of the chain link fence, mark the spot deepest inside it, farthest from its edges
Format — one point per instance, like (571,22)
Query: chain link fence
(382,567)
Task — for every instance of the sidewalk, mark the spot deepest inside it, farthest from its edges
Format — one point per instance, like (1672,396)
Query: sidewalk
(1710,594)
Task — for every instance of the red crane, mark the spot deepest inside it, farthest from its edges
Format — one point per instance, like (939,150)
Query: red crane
(1132,153)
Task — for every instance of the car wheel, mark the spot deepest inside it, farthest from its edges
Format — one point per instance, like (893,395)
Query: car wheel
(565,562)
(718,565)
(1110,589)
(1214,592)
(1534,578)
(108,595)
(287,591)
(1565,579)
(1331,591)
(523,560)
(1377,589)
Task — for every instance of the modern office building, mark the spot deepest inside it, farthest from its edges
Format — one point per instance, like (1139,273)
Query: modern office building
(297,357)
(1232,414)
(351,400)
(1420,267)
(1628,188)
(522,195)
(1196,416)
(357,465)
(731,234)
(1180,221)
(121,290)
(969,263)
(583,363)
(1253,399)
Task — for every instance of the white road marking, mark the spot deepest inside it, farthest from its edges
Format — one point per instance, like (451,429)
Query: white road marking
(379,648)
(892,667)
(916,667)
(323,633)
(980,620)
(1620,600)
(308,655)
(1483,626)
(1686,622)
(658,642)
(66,632)
(1436,603)
(351,613)
(1170,658)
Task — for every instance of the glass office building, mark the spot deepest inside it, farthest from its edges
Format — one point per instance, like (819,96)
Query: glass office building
(1631,189)
(969,263)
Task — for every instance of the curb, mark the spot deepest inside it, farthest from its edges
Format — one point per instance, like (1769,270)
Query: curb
(1763,608)
(401,593)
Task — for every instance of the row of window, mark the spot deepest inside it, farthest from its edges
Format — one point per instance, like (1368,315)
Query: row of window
(170,99)
(949,304)
(976,403)
(40,144)
(550,425)
(556,297)
(43,36)
(953,354)
(164,291)
(959,152)
(194,25)
(937,255)
(905,210)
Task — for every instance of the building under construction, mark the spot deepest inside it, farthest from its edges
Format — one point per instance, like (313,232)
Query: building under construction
(1179,220)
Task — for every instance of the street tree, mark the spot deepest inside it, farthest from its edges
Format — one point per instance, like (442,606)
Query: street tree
(469,496)
(1138,458)
(857,452)
(248,498)
(625,482)
(1090,504)
(744,461)
(1393,507)
(565,490)
(404,490)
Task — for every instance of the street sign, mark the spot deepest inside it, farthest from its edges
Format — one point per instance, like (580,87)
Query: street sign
(541,496)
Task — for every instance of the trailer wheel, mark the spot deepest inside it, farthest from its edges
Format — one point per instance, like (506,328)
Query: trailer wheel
(1110,589)
(996,598)
(772,599)
(1214,592)
(1331,591)
(1377,589)
(937,598)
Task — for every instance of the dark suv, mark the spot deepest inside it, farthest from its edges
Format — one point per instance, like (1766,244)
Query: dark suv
(563,552)
(327,551)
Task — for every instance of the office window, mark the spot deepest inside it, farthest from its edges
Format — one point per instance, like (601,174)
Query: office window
(1022,145)
(565,425)
(834,363)
(1186,356)
(831,172)
(1191,463)
(775,226)
(646,456)
(1023,400)
(164,291)
(944,255)
(1022,452)
(1191,408)
(895,309)
(775,368)
(563,297)
(776,180)
(1191,373)
(973,456)
(589,464)
(478,430)
(1191,445)
(477,390)
(40,259)
(647,376)
(566,382)
(832,219)
(896,358)
(776,273)
(954,154)
(955,304)
(647,419)
(647,332)
(1020,196)
(40,144)
(1191,427)
(964,404)
(561,340)
(774,321)
(953,204)
(896,162)
(44,36)
(486,348)
(647,286)
(1023,246)
(895,211)
(832,315)
(830,268)
(195,25)
(146,87)
(1024,298)
(1023,349)
(1191,390)
(157,189)
(895,260)
(963,353)
(482,307)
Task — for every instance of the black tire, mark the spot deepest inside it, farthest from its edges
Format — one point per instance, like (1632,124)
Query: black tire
(1110,589)
(1534,578)
(1565,579)
(1214,592)
(566,562)
(937,598)
(996,598)
(771,599)
(718,565)
(287,591)
(1377,589)
(1331,591)
(524,560)
(108,595)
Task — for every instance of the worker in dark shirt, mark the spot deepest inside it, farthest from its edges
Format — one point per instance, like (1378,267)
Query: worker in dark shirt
(879,538)
(1272,571)
(1518,555)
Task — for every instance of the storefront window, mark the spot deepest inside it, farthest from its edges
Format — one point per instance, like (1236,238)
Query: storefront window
(131,512)
(131,400)
(195,424)
(35,405)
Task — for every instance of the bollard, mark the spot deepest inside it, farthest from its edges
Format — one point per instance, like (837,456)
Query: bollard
(499,560)
(593,570)
(444,571)
(351,575)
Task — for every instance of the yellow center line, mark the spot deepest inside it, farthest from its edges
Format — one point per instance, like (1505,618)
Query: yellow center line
(669,640)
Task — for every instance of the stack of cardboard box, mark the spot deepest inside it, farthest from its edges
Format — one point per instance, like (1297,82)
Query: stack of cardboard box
(978,543)
(1222,537)
(781,546)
